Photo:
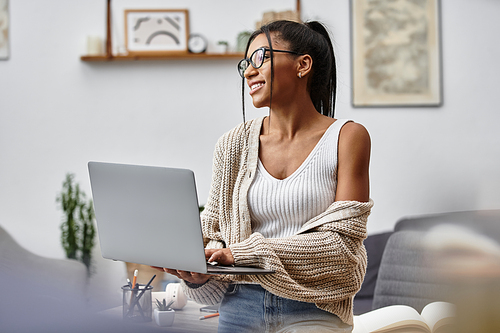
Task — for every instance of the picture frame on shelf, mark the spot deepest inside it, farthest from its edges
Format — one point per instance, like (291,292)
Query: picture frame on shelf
(396,53)
(4,30)
(156,31)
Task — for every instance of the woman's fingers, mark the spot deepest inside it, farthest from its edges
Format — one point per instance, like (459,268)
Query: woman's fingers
(222,256)
(158,268)
(196,278)
(172,271)
(192,277)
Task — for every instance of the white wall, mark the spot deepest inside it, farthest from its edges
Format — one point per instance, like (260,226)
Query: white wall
(57,113)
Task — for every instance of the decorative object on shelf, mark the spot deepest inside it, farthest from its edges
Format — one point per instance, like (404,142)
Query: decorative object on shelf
(156,31)
(163,313)
(4,29)
(221,46)
(78,230)
(396,53)
(242,40)
(197,43)
(95,46)
(268,17)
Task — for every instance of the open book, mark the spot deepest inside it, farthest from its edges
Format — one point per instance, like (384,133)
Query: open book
(436,317)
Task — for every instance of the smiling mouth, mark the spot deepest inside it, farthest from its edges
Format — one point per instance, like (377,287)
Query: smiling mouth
(255,86)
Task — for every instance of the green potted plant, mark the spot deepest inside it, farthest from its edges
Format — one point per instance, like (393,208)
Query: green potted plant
(163,313)
(77,228)
(222,46)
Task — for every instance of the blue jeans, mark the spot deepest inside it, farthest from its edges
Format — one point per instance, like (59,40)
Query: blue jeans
(251,308)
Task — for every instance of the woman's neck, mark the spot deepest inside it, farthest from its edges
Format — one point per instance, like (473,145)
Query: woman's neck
(287,121)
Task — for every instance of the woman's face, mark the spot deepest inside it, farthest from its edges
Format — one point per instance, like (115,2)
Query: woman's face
(285,74)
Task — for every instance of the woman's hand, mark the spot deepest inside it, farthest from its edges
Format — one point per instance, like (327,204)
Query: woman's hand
(191,277)
(222,256)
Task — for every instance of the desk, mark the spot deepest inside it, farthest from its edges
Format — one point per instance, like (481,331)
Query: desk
(186,319)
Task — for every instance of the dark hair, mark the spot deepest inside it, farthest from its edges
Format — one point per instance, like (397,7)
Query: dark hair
(313,39)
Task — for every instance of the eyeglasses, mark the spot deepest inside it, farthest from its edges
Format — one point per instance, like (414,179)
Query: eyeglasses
(257,59)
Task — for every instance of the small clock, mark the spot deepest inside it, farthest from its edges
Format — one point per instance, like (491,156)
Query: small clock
(197,43)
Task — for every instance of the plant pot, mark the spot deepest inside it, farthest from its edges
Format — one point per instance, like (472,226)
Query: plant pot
(164,318)
(220,48)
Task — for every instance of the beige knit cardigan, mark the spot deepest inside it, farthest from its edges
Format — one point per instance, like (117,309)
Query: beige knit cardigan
(323,263)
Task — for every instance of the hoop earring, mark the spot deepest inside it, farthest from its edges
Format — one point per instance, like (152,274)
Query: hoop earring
(300,75)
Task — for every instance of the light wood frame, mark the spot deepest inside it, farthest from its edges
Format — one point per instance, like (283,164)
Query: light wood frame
(396,53)
(156,31)
(4,30)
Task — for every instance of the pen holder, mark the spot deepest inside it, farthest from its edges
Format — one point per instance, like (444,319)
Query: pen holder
(137,303)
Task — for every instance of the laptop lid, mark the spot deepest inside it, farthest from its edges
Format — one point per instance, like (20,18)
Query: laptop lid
(150,215)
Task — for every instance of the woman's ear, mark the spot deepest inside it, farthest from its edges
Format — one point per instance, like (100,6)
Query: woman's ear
(304,65)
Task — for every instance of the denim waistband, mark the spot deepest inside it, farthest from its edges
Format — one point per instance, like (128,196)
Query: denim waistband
(251,308)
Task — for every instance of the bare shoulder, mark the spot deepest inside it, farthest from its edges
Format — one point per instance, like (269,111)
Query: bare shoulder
(354,134)
(353,163)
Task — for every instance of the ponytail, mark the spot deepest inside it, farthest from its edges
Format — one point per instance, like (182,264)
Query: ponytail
(324,85)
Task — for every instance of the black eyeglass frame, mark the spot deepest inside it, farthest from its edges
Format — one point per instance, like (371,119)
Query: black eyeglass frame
(249,60)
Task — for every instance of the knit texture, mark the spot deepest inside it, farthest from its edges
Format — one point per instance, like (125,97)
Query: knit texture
(323,263)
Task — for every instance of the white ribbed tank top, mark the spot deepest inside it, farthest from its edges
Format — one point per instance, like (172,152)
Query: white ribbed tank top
(279,207)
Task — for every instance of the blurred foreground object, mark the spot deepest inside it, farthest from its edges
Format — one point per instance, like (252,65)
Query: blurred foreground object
(470,261)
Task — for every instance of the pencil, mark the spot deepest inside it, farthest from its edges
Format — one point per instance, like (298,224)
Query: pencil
(134,280)
(209,316)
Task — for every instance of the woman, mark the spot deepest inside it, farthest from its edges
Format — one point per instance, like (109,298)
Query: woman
(290,192)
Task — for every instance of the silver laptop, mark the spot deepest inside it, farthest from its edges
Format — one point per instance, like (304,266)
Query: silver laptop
(150,215)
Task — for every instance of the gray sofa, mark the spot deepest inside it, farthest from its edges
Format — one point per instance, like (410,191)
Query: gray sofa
(400,271)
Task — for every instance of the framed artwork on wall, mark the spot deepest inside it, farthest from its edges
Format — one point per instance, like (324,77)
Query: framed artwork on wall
(4,29)
(156,31)
(396,53)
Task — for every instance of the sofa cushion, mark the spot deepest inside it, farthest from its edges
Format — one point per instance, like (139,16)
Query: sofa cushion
(374,245)
(407,275)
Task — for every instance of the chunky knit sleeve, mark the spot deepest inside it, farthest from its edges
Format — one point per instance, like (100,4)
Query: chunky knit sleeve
(210,293)
(324,263)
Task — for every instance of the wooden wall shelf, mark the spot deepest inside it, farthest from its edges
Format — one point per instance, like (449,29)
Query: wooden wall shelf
(173,56)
